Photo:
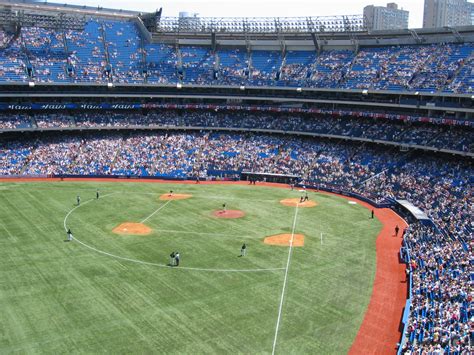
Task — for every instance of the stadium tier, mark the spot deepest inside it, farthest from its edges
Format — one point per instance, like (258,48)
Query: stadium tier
(384,122)
(424,135)
(114,51)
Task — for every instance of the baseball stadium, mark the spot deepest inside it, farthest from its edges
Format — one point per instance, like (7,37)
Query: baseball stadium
(229,185)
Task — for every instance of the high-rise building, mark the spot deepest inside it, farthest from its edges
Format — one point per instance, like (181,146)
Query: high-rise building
(385,18)
(472,13)
(441,13)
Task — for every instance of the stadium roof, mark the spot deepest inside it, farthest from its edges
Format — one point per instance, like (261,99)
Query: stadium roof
(66,8)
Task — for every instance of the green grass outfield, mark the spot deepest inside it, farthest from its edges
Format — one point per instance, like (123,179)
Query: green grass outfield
(59,297)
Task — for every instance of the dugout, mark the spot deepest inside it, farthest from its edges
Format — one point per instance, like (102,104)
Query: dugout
(268,177)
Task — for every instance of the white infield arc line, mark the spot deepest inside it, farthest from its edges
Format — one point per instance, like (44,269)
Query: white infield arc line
(150,263)
(285,280)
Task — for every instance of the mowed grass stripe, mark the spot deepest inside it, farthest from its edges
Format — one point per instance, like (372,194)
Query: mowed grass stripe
(60,297)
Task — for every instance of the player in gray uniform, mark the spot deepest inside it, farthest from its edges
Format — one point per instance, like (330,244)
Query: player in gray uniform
(243,250)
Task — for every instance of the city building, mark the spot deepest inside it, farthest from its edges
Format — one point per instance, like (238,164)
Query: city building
(441,13)
(385,18)
(471,5)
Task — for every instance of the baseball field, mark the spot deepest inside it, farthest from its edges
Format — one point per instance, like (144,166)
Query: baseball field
(302,287)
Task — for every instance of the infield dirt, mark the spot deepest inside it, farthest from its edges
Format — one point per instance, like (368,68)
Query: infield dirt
(228,214)
(285,239)
(293,202)
(167,197)
(131,228)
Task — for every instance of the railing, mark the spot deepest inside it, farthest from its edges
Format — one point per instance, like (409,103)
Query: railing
(406,311)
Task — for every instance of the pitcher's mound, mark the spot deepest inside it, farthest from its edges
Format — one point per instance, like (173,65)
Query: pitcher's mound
(228,214)
(132,229)
(284,239)
(167,197)
(292,202)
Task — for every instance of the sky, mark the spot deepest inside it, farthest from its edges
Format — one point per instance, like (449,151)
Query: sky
(257,8)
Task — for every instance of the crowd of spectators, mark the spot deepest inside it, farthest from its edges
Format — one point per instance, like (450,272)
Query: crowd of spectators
(87,60)
(46,54)
(441,303)
(125,53)
(330,69)
(440,67)
(426,68)
(440,187)
(197,64)
(183,154)
(14,121)
(14,157)
(160,63)
(5,38)
(12,63)
(464,80)
(426,134)
(458,138)
(53,120)
(233,66)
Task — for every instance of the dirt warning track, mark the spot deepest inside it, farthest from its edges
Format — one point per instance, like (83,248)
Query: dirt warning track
(379,332)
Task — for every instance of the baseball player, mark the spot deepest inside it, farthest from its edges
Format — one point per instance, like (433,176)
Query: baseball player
(176,258)
(243,250)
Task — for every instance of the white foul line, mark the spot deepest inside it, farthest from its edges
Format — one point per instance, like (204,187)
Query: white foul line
(283,289)
(158,210)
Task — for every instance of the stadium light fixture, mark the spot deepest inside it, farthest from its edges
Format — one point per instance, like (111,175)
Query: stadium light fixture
(31,84)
